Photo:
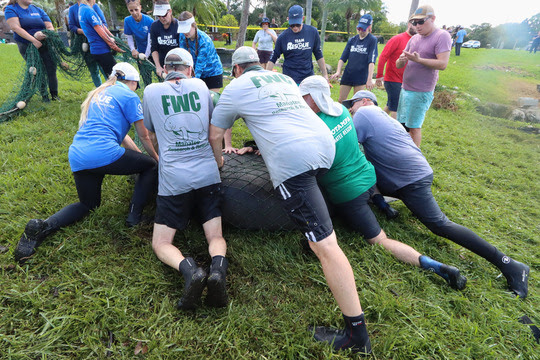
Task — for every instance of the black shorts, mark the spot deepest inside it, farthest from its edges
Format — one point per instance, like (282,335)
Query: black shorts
(214,82)
(393,89)
(303,201)
(175,211)
(264,56)
(359,216)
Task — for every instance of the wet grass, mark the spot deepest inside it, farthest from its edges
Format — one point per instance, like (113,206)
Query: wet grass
(96,289)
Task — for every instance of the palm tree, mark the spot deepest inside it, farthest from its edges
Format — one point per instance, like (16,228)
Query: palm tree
(243,24)
(205,11)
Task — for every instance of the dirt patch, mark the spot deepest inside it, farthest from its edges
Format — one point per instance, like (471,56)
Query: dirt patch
(518,88)
(504,69)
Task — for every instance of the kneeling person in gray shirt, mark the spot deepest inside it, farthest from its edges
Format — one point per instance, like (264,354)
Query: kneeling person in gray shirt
(178,112)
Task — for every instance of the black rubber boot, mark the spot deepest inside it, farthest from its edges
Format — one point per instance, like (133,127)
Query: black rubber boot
(517,277)
(195,281)
(453,277)
(217,284)
(354,336)
(34,233)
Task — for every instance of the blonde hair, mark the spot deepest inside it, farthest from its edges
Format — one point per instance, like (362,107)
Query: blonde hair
(92,95)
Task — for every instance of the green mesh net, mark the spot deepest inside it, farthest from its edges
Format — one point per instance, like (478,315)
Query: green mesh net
(74,62)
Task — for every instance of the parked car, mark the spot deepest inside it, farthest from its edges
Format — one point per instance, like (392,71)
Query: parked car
(475,44)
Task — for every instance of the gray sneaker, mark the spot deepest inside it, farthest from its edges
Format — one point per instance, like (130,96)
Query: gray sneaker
(33,236)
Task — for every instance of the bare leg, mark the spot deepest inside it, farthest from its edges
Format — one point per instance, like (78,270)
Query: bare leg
(416,135)
(344,91)
(339,274)
(213,233)
(400,250)
(163,247)
(393,114)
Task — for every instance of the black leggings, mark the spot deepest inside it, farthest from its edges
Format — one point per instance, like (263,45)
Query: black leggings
(88,183)
(50,67)
(106,61)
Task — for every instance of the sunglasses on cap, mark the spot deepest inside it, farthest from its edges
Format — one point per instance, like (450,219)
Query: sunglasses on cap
(419,22)
(295,25)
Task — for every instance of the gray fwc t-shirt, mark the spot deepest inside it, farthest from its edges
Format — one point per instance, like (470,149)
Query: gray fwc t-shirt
(397,160)
(291,137)
(179,114)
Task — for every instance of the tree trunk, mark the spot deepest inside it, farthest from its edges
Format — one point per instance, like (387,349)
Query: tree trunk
(60,7)
(414,6)
(324,20)
(114,18)
(243,24)
(309,5)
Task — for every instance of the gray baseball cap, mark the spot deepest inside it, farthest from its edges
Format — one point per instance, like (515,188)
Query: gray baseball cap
(362,94)
(244,54)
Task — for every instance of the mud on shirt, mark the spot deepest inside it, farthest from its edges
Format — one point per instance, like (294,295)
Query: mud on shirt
(179,115)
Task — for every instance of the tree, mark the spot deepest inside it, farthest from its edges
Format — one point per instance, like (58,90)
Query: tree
(309,5)
(243,24)
(482,33)
(205,11)
(414,6)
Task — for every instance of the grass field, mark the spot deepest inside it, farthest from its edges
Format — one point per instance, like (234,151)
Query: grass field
(96,290)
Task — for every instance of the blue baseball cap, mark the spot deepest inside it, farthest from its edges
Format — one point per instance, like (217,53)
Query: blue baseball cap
(296,15)
(265,20)
(365,21)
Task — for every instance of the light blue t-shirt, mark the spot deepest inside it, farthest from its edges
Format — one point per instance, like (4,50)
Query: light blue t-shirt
(460,35)
(110,115)
(205,58)
(139,30)
(397,160)
(88,18)
(264,40)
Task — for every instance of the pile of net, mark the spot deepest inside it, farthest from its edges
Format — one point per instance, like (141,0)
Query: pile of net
(74,61)
(248,196)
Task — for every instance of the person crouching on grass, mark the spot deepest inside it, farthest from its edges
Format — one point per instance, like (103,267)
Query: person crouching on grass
(106,117)
(189,181)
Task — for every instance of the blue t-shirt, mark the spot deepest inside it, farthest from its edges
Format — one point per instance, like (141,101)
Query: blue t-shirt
(139,30)
(297,49)
(31,19)
(110,115)
(207,63)
(397,160)
(73,17)
(358,54)
(88,18)
(460,35)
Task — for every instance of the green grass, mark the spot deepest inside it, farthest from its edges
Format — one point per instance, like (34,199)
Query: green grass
(98,280)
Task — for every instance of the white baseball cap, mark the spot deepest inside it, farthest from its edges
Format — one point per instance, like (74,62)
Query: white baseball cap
(318,88)
(183,54)
(125,71)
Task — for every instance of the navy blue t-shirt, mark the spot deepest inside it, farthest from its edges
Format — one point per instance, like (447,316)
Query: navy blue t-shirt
(163,40)
(31,19)
(358,54)
(297,49)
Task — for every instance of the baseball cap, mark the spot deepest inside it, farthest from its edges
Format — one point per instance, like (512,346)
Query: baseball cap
(265,20)
(184,55)
(125,71)
(185,26)
(422,12)
(244,54)
(161,9)
(365,21)
(318,88)
(358,96)
(296,15)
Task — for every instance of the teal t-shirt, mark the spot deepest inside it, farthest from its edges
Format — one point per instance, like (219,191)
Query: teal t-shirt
(351,174)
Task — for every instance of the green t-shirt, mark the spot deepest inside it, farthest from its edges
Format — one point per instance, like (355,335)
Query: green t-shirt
(351,174)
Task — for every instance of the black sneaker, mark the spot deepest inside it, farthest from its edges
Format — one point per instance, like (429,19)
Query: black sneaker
(33,235)
(390,212)
(455,279)
(339,340)
(193,291)
(217,290)
(517,277)
(45,99)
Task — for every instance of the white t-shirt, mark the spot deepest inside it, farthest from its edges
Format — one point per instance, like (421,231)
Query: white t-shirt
(179,114)
(264,40)
(291,137)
